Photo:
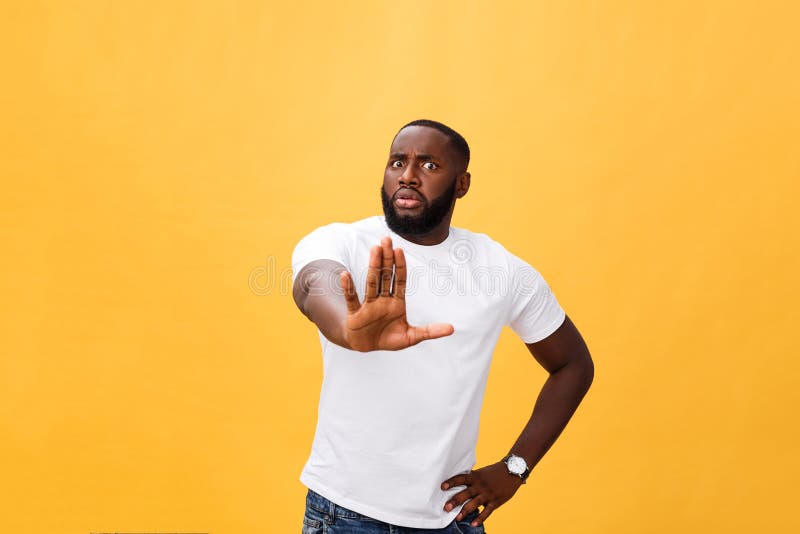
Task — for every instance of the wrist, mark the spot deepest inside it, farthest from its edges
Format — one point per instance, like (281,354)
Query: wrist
(344,341)
(517,467)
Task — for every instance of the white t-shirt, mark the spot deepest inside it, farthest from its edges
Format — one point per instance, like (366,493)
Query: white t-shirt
(393,425)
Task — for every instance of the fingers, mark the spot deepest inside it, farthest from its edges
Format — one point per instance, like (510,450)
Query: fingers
(387,263)
(373,274)
(459,498)
(432,331)
(487,511)
(458,480)
(470,507)
(349,289)
(399,289)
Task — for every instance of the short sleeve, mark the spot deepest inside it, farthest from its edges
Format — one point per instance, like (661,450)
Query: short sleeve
(535,312)
(325,243)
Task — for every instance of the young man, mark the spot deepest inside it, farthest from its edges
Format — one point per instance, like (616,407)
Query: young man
(409,310)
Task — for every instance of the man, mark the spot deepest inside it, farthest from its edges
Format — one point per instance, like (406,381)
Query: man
(409,310)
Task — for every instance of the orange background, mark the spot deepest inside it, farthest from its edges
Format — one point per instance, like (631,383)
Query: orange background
(160,160)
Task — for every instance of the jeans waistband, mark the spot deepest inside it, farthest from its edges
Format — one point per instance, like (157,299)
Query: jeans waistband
(321,504)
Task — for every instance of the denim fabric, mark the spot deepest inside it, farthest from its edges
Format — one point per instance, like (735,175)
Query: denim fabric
(324,517)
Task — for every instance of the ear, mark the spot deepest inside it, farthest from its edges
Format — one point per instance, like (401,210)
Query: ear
(462,186)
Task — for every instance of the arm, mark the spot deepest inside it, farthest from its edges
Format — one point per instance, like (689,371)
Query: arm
(379,323)
(318,294)
(565,356)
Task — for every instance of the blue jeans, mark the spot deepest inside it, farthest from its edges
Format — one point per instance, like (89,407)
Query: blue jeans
(324,517)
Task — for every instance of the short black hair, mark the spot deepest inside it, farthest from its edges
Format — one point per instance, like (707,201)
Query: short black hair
(456,138)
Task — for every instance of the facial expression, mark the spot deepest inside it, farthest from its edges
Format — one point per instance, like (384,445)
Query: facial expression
(423,177)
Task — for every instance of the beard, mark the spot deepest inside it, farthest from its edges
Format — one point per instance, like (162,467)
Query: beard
(432,215)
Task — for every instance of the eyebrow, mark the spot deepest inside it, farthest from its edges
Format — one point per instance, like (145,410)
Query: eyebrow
(400,155)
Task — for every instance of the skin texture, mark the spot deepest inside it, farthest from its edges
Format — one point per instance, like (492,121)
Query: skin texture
(423,160)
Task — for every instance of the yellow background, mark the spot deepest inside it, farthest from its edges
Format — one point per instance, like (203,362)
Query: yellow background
(160,160)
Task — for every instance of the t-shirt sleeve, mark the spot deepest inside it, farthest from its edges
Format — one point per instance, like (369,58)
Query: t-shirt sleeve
(325,243)
(535,312)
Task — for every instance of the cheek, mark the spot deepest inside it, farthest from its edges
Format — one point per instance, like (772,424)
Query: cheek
(436,192)
(386,188)
(390,180)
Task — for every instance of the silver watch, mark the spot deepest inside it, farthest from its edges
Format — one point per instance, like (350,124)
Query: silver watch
(517,466)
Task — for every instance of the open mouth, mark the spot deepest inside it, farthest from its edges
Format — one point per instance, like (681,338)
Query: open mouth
(407,199)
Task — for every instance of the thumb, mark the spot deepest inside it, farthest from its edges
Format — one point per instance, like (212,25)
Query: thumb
(431,331)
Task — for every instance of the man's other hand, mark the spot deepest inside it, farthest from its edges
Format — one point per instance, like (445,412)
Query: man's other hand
(490,487)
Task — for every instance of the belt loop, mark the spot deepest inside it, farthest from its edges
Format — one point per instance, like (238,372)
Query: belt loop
(332,511)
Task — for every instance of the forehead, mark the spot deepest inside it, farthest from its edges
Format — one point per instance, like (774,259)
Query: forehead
(421,140)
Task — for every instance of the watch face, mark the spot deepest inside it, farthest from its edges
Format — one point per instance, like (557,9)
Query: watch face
(517,465)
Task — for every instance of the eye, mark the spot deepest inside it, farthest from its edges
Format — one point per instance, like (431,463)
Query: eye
(431,166)
(397,164)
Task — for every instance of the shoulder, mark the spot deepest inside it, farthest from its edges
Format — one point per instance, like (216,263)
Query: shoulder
(488,253)
(480,242)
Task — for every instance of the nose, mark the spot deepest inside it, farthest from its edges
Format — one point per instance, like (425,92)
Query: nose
(409,176)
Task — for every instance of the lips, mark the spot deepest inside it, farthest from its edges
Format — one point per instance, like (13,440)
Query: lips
(407,198)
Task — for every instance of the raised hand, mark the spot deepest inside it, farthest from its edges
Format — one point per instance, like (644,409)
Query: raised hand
(379,323)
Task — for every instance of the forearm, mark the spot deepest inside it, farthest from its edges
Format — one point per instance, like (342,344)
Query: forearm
(557,402)
(491,486)
(318,294)
(329,316)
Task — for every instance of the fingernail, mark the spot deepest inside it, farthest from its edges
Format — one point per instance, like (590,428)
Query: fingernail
(458,517)
(474,523)
(444,486)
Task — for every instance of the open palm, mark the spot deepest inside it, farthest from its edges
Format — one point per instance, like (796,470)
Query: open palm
(379,323)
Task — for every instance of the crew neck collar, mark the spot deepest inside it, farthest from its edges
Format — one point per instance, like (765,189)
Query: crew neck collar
(397,239)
